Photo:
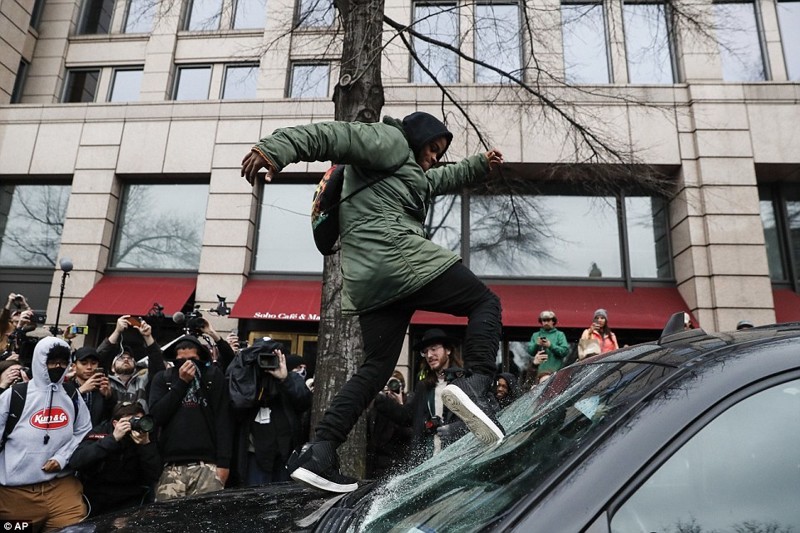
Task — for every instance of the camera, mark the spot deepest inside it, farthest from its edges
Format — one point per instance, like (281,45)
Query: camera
(18,301)
(432,424)
(143,424)
(394,385)
(267,358)
(39,317)
(195,323)
(79,330)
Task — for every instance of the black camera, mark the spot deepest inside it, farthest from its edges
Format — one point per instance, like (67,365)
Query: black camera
(394,385)
(267,358)
(195,323)
(39,317)
(432,424)
(143,424)
(18,301)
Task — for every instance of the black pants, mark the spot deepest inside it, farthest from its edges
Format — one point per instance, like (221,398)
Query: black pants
(457,291)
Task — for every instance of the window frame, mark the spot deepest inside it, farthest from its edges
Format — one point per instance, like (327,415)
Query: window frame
(84,13)
(229,66)
(412,62)
(790,258)
(187,18)
(126,18)
(760,37)
(783,41)
(291,74)
(111,85)
(19,82)
(298,11)
(66,88)
(671,41)
(606,37)
(520,58)
(191,66)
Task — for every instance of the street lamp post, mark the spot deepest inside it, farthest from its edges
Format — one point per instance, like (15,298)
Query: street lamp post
(66,267)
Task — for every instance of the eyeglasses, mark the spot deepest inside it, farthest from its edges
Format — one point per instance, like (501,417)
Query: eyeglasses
(547,320)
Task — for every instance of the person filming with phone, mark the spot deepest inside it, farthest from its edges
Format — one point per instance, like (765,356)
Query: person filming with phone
(93,385)
(600,331)
(122,356)
(548,346)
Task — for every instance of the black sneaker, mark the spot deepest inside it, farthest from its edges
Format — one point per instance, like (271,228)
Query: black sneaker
(317,465)
(470,398)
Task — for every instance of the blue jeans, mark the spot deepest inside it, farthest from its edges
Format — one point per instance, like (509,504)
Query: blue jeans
(457,291)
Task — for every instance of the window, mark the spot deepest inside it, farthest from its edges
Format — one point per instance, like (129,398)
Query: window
(789,20)
(780,216)
(739,43)
(544,236)
(585,51)
(204,15)
(285,242)
(160,227)
(139,16)
(193,83)
(240,82)
(647,43)
(315,13)
(19,82)
(497,40)
(555,235)
(31,223)
(309,81)
(81,85)
(249,14)
(443,222)
(36,14)
(733,475)
(648,241)
(125,85)
(439,22)
(96,17)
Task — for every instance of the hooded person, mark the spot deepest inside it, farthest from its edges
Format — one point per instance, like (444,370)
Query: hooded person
(35,483)
(391,268)
(189,404)
(506,389)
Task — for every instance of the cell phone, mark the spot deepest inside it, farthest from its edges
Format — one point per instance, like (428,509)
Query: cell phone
(79,330)
(133,321)
(100,371)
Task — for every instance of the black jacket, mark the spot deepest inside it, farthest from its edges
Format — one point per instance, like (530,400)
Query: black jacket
(115,473)
(196,428)
(290,398)
(99,406)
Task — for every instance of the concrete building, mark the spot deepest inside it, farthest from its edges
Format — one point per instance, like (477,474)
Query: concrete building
(123,124)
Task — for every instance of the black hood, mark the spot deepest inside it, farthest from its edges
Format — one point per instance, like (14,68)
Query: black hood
(422,128)
(202,350)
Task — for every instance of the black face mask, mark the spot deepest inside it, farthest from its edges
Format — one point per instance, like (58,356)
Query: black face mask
(55,374)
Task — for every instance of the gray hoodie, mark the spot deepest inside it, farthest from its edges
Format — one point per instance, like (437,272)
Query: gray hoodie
(25,452)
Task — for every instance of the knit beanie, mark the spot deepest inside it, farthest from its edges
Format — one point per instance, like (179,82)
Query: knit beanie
(421,128)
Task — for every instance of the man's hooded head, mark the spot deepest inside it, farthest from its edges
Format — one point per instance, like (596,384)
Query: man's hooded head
(51,357)
(422,128)
(179,347)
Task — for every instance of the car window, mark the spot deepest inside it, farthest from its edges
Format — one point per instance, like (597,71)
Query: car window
(544,428)
(740,473)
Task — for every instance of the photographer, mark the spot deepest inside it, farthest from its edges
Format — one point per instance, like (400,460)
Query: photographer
(387,441)
(221,351)
(18,330)
(548,346)
(12,372)
(432,424)
(117,462)
(269,431)
(126,382)
(93,384)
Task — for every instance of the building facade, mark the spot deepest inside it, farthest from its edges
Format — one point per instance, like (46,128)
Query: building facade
(123,124)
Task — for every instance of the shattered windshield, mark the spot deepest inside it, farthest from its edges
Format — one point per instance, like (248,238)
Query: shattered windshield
(467,486)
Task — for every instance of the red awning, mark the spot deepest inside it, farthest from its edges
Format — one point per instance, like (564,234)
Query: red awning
(129,295)
(644,308)
(273,299)
(787,305)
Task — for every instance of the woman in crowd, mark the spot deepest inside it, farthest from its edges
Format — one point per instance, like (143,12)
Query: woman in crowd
(600,331)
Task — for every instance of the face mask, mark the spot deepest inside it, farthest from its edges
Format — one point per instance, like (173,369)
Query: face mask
(301,371)
(55,374)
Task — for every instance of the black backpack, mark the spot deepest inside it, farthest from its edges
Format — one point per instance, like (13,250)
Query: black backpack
(19,392)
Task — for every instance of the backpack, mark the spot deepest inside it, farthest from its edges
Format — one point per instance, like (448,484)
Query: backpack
(325,207)
(19,392)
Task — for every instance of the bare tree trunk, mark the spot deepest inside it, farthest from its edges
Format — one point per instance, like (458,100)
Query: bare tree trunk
(358,97)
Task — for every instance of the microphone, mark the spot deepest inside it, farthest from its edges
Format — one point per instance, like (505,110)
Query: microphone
(179,318)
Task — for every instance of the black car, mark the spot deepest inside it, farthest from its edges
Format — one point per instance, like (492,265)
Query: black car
(694,433)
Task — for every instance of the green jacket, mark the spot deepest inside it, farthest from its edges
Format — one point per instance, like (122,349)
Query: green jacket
(385,252)
(559,349)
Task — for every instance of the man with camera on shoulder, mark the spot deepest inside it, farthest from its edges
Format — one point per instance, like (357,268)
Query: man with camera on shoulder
(118,462)
(270,428)
(190,405)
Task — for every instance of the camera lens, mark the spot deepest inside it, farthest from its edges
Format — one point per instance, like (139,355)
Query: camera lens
(394,385)
(143,424)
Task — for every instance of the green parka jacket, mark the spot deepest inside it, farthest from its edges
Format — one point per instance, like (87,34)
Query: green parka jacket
(385,252)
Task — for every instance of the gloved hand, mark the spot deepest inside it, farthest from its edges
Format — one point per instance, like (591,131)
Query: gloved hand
(452,431)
